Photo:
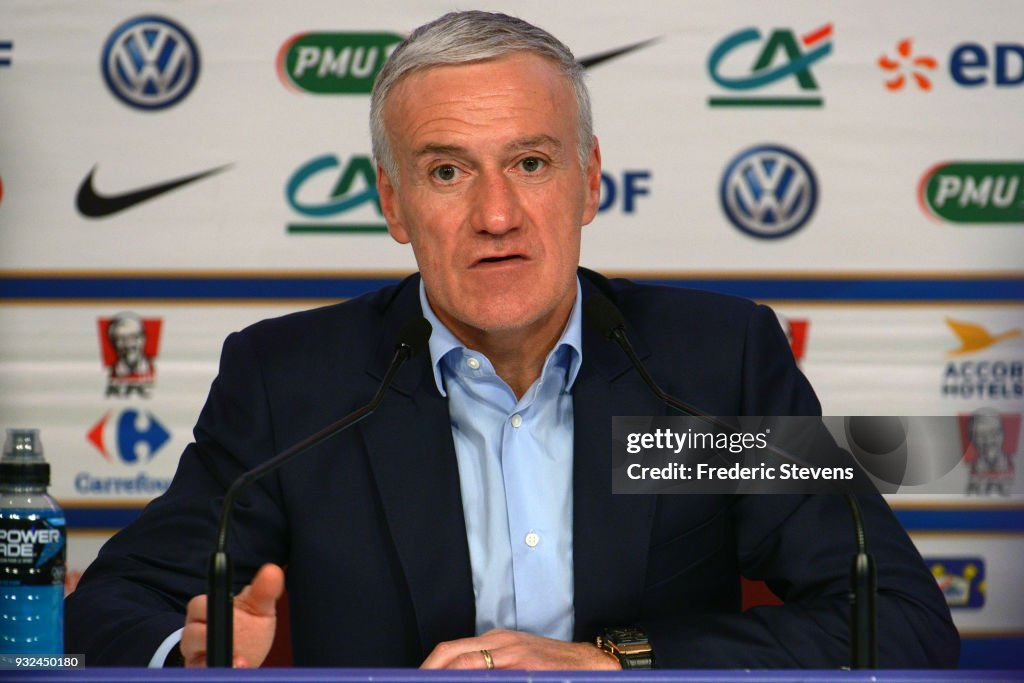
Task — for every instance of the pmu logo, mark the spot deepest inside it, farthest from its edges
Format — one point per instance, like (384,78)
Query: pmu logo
(129,346)
(990,441)
(150,62)
(769,191)
(747,61)
(327,187)
(962,580)
(974,192)
(334,63)
(130,437)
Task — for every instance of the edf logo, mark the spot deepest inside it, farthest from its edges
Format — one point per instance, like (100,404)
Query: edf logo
(971,65)
(132,437)
(623,191)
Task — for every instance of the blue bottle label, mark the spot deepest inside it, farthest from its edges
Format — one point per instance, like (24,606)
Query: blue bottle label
(32,549)
(32,565)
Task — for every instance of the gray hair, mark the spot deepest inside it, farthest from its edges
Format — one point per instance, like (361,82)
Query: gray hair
(463,37)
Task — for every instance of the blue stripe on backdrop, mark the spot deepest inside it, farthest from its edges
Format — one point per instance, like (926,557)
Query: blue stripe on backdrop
(962,519)
(70,288)
(100,518)
(912,520)
(992,653)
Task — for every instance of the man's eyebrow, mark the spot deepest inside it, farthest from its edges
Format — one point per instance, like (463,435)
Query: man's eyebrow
(443,150)
(534,141)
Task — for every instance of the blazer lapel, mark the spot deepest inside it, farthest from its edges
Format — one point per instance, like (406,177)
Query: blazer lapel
(610,532)
(411,453)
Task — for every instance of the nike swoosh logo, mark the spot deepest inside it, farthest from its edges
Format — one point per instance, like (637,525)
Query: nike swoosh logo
(594,60)
(95,205)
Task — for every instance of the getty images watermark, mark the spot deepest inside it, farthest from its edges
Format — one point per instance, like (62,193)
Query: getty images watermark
(972,454)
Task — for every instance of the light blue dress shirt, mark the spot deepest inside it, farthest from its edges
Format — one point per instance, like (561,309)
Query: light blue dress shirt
(515,472)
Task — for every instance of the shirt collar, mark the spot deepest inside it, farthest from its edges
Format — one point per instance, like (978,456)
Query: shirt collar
(442,341)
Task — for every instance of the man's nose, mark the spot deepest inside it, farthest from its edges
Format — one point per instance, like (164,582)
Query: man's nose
(496,205)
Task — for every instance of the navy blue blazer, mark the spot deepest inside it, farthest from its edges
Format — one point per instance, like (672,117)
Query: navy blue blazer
(370,523)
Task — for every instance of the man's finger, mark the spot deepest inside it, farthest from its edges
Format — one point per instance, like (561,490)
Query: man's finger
(465,653)
(446,653)
(196,610)
(193,644)
(260,596)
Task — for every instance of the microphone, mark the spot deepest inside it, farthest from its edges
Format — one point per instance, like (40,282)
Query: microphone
(602,314)
(606,319)
(219,607)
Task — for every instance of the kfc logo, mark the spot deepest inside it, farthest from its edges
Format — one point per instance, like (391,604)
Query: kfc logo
(129,345)
(990,441)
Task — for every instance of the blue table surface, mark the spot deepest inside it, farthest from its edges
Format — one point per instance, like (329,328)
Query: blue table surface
(126,675)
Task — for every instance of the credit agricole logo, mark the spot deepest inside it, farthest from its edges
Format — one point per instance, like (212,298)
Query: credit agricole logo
(974,192)
(334,63)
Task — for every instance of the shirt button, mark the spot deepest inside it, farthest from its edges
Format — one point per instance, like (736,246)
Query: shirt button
(473,363)
(517,420)
(532,539)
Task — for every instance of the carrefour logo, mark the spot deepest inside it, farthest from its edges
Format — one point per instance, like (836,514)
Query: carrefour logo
(777,57)
(974,192)
(131,437)
(126,439)
(334,63)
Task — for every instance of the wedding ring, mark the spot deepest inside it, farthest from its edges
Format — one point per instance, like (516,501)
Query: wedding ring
(488,659)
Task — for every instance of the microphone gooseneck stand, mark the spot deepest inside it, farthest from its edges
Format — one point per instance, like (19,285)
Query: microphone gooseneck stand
(219,606)
(607,320)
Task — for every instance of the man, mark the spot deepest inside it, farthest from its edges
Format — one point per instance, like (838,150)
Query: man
(469,523)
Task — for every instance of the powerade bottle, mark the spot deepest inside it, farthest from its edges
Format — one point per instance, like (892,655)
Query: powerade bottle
(32,551)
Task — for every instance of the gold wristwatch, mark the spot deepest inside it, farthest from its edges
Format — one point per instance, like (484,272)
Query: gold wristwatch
(629,645)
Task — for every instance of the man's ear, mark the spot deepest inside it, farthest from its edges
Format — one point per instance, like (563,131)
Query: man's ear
(389,205)
(593,178)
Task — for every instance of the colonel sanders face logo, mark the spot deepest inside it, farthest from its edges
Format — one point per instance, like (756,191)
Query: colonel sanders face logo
(989,452)
(128,337)
(129,347)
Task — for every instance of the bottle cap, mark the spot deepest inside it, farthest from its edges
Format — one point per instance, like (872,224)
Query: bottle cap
(22,461)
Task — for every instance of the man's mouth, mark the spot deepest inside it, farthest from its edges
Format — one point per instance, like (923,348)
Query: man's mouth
(500,259)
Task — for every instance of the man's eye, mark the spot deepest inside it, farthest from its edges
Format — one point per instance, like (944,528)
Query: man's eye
(531,164)
(445,173)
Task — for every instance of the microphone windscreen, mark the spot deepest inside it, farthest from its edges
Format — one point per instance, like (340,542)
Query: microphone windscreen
(415,336)
(602,315)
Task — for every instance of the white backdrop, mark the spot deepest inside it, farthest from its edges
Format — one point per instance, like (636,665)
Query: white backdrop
(898,308)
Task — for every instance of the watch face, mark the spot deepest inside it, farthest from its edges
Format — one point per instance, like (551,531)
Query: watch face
(630,646)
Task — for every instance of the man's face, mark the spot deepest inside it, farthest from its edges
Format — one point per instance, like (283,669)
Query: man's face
(490,191)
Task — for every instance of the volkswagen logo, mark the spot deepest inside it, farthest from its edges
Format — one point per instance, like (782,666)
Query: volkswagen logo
(150,62)
(769,191)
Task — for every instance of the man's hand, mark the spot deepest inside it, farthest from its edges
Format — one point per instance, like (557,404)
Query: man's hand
(255,619)
(517,650)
